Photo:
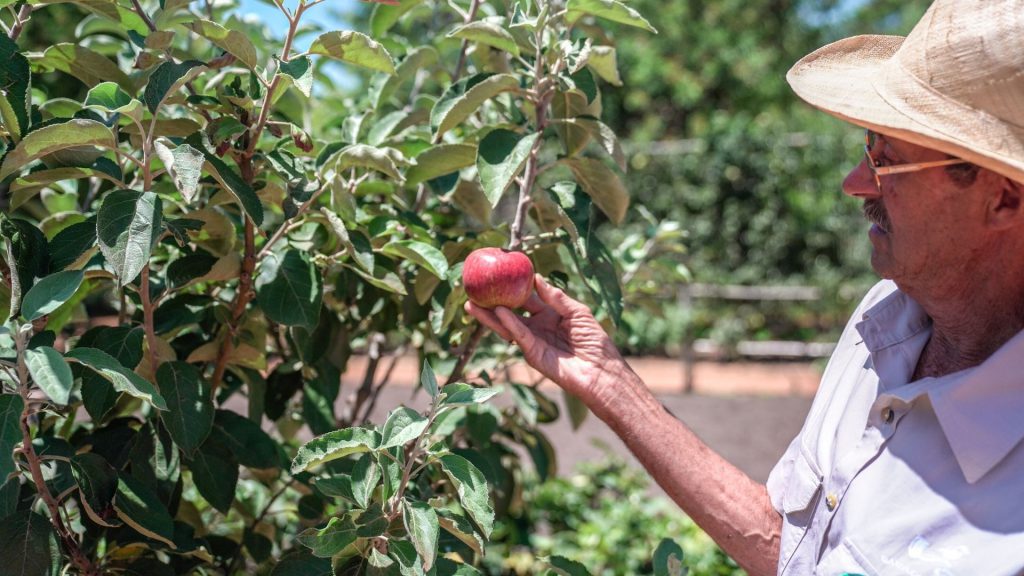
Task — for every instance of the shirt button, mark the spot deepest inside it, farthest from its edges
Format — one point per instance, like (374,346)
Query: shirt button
(888,415)
(831,501)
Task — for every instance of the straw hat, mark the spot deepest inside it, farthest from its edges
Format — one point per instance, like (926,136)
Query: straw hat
(955,84)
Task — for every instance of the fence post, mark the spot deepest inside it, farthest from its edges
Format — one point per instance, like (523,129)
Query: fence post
(685,301)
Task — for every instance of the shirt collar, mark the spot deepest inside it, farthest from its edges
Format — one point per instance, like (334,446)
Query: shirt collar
(978,409)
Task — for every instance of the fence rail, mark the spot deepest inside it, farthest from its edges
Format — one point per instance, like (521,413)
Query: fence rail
(788,349)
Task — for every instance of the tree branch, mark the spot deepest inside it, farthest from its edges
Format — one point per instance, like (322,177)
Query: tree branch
(24,14)
(66,537)
(147,316)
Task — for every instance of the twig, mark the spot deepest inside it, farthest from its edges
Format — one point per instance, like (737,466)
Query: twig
(467,353)
(242,296)
(67,538)
(262,515)
(23,17)
(145,17)
(147,316)
(380,386)
(376,339)
(285,226)
(465,43)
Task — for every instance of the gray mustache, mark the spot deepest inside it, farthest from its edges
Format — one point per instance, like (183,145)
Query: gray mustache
(875,212)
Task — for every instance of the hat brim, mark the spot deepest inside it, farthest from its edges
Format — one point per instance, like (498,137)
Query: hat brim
(858,80)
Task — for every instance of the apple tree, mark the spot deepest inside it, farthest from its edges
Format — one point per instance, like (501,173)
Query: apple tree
(202,230)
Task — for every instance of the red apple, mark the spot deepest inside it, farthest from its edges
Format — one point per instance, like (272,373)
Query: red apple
(496,277)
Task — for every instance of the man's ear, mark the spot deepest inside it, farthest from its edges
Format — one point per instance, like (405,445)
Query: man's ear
(1007,208)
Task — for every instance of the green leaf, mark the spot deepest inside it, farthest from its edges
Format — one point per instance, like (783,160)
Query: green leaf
(602,185)
(189,267)
(363,156)
(251,446)
(128,227)
(184,164)
(190,411)
(607,9)
(464,97)
(565,567)
(300,70)
(27,250)
(460,394)
(418,58)
(110,98)
(139,507)
(402,426)
(229,180)
(364,479)
(49,293)
(446,567)
(215,474)
(167,79)
(50,372)
(502,156)
(668,559)
(472,490)
(83,63)
(440,160)
(603,61)
(16,98)
(28,545)
(97,484)
(459,526)
(331,539)
(123,379)
(428,380)
(385,16)
(334,445)
(422,526)
(578,411)
(231,41)
(55,137)
(422,254)
(11,407)
(354,48)
(290,289)
(487,33)
(302,563)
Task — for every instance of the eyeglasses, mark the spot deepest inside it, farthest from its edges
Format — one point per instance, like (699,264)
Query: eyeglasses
(871,139)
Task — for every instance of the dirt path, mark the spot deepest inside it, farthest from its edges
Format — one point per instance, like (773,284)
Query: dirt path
(747,412)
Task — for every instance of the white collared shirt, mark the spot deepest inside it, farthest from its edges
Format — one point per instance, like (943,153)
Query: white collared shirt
(892,477)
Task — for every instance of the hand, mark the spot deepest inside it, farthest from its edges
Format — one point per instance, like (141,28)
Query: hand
(561,339)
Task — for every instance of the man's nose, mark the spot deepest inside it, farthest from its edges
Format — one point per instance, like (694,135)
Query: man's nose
(860,182)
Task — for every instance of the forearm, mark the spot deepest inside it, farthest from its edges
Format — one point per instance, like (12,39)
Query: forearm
(733,509)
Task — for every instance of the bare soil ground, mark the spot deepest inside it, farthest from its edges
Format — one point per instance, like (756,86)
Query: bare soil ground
(748,412)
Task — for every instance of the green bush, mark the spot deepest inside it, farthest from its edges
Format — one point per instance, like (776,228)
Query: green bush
(605,517)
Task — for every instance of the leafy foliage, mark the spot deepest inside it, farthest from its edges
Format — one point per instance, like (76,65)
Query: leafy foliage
(200,234)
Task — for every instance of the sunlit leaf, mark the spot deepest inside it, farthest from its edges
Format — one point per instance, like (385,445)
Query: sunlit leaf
(487,33)
(53,138)
(231,41)
(354,48)
(123,379)
(49,293)
(50,372)
(127,227)
(421,524)
(503,154)
(612,10)
(472,490)
(334,445)
(464,97)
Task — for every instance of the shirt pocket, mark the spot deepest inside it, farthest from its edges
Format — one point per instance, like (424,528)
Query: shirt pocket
(803,487)
(799,501)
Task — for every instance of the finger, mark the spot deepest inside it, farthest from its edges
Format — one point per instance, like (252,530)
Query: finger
(554,297)
(522,335)
(534,305)
(487,318)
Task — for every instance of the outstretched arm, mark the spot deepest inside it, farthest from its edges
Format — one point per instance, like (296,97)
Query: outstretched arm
(562,340)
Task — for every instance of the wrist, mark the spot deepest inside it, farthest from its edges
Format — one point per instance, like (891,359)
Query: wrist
(617,391)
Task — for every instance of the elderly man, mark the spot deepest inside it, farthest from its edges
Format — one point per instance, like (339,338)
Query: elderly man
(911,460)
